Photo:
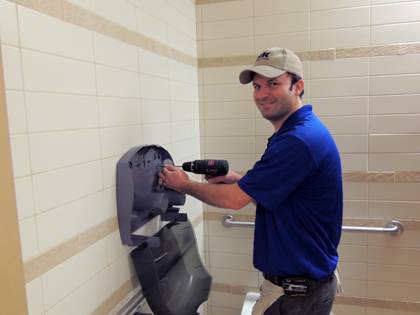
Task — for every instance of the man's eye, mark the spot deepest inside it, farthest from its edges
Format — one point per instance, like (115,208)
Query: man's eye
(256,87)
(273,83)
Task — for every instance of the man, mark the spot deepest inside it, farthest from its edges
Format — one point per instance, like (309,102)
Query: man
(297,188)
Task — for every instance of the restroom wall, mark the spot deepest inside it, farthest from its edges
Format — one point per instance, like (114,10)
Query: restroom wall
(85,81)
(362,77)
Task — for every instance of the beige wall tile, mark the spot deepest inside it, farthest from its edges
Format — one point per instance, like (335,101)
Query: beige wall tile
(179,71)
(12,68)
(394,209)
(227,300)
(396,13)
(404,143)
(353,239)
(387,124)
(340,18)
(352,143)
(44,73)
(19,146)
(354,162)
(394,192)
(181,42)
(226,92)
(43,33)
(28,238)
(182,110)
(217,229)
(16,111)
(234,277)
(396,291)
(397,84)
(153,64)
(227,47)
(117,140)
(152,87)
(118,111)
(355,191)
(86,4)
(384,162)
(335,4)
(226,10)
(181,91)
(385,65)
(51,112)
(395,104)
(182,130)
(394,273)
(388,1)
(116,82)
(341,87)
(230,145)
(123,13)
(228,28)
(109,171)
(348,310)
(8,23)
(345,106)
(285,23)
(394,256)
(230,127)
(229,110)
(353,270)
(55,150)
(270,7)
(231,261)
(381,311)
(354,288)
(356,209)
(353,254)
(217,75)
(155,111)
(339,38)
(406,240)
(58,187)
(34,297)
(223,310)
(24,197)
(342,125)
(231,245)
(156,133)
(151,27)
(351,67)
(395,33)
(185,150)
(297,41)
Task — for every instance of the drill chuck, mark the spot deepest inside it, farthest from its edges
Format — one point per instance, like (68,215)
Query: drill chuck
(211,168)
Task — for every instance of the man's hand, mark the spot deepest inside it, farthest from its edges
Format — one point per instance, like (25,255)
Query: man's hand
(174,178)
(230,178)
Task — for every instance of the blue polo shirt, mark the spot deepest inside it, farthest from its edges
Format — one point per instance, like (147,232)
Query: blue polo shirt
(298,189)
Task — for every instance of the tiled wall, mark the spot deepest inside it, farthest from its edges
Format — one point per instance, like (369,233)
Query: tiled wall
(79,94)
(371,104)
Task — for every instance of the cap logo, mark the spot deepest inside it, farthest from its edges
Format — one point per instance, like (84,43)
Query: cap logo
(264,56)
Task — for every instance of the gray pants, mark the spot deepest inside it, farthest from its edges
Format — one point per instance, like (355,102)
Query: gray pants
(318,303)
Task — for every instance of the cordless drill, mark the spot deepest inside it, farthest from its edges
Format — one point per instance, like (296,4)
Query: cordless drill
(211,168)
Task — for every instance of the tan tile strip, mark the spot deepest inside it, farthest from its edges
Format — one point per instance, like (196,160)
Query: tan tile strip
(44,262)
(371,222)
(76,15)
(342,300)
(200,2)
(323,54)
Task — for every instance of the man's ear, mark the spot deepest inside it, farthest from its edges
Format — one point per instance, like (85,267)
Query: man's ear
(299,87)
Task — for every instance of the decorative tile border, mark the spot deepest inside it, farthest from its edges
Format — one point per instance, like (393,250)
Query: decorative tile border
(76,15)
(200,2)
(342,300)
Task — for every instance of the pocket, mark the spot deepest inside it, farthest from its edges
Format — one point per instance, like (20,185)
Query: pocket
(325,298)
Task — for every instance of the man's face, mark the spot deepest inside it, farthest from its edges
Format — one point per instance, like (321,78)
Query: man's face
(273,96)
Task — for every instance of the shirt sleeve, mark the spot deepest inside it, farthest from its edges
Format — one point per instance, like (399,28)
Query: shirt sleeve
(283,167)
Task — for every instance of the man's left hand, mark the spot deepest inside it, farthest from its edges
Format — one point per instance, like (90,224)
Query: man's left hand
(174,178)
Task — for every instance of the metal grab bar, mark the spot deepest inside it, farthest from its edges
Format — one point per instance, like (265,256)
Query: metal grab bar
(392,227)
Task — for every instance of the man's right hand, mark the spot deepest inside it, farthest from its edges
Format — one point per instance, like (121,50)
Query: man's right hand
(230,178)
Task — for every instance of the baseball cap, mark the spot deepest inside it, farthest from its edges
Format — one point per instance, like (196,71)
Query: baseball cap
(272,63)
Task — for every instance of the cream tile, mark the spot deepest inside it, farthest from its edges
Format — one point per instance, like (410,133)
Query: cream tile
(8,23)
(406,240)
(393,209)
(227,92)
(48,112)
(44,73)
(12,68)
(152,87)
(388,259)
(230,245)
(16,112)
(270,7)
(228,28)
(388,1)
(230,127)
(28,238)
(226,10)
(218,75)
(152,27)
(385,65)
(157,133)
(182,42)
(352,143)
(404,143)
(111,52)
(340,18)
(394,192)
(44,33)
(179,71)
(34,297)
(395,33)
(227,47)
(118,111)
(229,110)
(234,277)
(230,145)
(353,239)
(181,110)
(117,140)
(123,13)
(396,84)
(396,13)
(20,155)
(348,310)
(115,82)
(110,202)
(182,130)
(85,4)
(350,67)
(231,261)
(396,291)
(66,277)
(345,106)
(287,23)
(109,171)
(354,162)
(387,124)
(216,229)
(336,4)
(356,209)
(185,150)
(296,41)
(381,311)
(339,38)
(61,186)
(221,299)
(342,125)
(154,111)
(223,310)
(354,288)
(63,223)
(386,162)
(407,104)
(353,254)
(181,91)
(355,191)
(24,197)
(55,150)
(342,87)
(263,128)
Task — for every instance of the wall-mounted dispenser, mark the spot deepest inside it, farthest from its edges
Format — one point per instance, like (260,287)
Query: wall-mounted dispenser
(168,266)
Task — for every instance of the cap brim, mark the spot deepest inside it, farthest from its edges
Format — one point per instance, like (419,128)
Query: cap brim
(247,75)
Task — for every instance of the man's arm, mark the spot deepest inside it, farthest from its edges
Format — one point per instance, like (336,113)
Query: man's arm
(219,195)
